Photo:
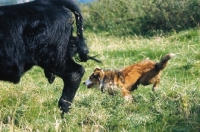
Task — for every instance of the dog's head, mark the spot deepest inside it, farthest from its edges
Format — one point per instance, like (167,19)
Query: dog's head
(95,78)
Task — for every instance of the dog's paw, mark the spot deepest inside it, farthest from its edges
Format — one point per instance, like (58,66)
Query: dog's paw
(155,89)
(128,98)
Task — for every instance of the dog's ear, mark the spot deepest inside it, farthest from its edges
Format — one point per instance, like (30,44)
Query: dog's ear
(97,71)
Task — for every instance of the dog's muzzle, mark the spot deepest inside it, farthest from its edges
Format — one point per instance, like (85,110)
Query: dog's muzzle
(88,83)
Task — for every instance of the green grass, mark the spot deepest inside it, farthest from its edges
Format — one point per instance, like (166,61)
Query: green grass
(31,105)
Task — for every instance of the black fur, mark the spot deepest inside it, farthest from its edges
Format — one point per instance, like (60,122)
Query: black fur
(40,33)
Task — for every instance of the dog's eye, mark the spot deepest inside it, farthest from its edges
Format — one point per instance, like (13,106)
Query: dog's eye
(91,77)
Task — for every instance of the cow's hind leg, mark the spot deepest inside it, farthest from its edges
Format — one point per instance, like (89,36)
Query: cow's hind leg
(71,84)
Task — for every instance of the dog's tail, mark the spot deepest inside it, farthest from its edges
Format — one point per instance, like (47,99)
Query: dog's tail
(163,62)
(82,48)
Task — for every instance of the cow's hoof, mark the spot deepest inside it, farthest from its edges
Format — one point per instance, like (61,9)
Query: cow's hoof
(64,106)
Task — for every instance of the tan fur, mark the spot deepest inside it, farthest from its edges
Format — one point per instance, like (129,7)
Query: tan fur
(145,72)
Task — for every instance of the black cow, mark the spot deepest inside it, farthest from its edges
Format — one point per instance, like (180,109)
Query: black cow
(40,33)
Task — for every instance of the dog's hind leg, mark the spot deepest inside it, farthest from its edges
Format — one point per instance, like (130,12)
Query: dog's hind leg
(155,85)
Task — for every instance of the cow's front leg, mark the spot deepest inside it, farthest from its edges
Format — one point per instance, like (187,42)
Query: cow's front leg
(71,84)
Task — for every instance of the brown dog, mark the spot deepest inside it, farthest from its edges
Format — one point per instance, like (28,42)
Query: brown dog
(145,72)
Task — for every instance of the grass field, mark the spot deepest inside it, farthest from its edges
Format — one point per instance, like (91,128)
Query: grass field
(31,105)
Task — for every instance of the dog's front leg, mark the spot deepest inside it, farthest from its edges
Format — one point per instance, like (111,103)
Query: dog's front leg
(127,95)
